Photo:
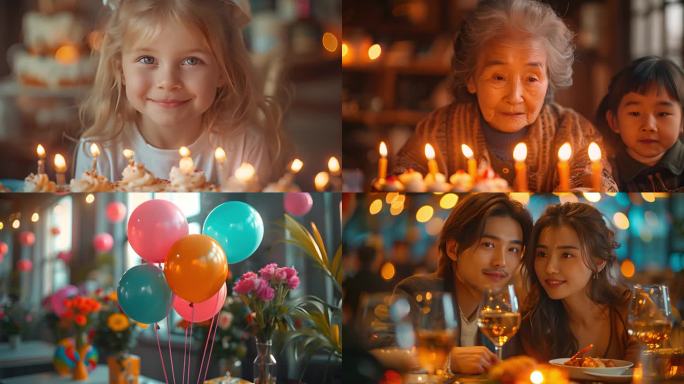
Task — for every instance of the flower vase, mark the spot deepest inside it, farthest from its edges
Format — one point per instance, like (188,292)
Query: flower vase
(123,368)
(80,372)
(265,365)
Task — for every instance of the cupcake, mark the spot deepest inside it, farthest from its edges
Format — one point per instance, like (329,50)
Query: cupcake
(136,178)
(39,183)
(461,181)
(412,181)
(489,181)
(284,184)
(194,181)
(390,184)
(437,183)
(91,181)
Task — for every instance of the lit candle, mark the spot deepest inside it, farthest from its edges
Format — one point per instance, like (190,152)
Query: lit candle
(220,156)
(40,151)
(430,155)
(334,166)
(472,164)
(564,153)
(186,165)
(130,156)
(245,172)
(60,169)
(520,154)
(382,164)
(596,166)
(296,166)
(321,181)
(95,152)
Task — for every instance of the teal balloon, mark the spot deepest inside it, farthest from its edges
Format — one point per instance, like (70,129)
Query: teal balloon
(144,294)
(238,227)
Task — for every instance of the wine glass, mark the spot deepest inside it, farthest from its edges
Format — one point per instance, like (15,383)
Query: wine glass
(649,318)
(499,317)
(435,328)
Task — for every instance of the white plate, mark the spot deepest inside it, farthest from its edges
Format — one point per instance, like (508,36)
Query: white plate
(583,373)
(624,377)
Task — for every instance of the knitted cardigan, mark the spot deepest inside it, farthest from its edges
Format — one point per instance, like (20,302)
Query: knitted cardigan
(450,126)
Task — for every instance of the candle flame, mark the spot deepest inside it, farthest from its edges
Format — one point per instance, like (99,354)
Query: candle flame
(374,51)
(94,150)
(594,152)
(536,377)
(520,152)
(429,152)
(128,154)
(296,165)
(321,180)
(467,152)
(383,149)
(333,165)
(220,155)
(345,49)
(564,152)
(40,151)
(67,54)
(60,163)
(184,151)
(245,172)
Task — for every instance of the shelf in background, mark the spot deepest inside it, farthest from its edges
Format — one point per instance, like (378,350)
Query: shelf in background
(416,68)
(397,116)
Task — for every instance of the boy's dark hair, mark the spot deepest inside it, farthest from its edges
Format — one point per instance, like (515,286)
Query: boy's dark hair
(639,76)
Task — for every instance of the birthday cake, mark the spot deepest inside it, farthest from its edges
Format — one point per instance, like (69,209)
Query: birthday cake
(413,181)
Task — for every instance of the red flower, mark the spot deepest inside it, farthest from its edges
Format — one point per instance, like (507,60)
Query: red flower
(80,320)
(251,317)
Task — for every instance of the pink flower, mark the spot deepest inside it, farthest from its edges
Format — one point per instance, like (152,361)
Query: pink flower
(264,291)
(293,282)
(280,275)
(249,275)
(225,320)
(245,286)
(289,272)
(268,271)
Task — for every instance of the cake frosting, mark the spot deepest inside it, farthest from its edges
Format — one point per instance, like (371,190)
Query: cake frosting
(461,181)
(412,181)
(489,181)
(136,178)
(390,184)
(188,181)
(284,184)
(44,33)
(91,181)
(437,183)
(47,72)
(39,183)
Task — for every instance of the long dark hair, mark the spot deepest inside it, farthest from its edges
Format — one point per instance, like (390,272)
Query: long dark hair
(545,324)
(466,223)
(639,76)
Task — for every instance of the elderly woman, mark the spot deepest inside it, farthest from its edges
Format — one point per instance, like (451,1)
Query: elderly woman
(509,57)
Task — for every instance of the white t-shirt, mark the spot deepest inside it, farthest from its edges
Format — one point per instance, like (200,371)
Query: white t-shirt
(246,146)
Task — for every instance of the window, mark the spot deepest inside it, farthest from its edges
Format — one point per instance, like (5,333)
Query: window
(658,29)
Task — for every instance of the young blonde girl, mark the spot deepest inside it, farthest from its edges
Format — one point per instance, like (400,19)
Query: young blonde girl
(176,73)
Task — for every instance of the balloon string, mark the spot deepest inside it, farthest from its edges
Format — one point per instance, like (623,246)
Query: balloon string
(211,349)
(156,332)
(168,336)
(192,320)
(185,348)
(205,349)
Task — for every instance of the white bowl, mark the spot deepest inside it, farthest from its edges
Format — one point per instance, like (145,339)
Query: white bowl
(584,373)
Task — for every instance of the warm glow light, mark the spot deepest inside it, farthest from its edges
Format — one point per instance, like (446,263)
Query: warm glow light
(345,49)
(621,220)
(16,223)
(184,151)
(245,172)
(467,152)
(521,197)
(429,151)
(627,268)
(434,226)
(520,152)
(390,197)
(448,201)
(592,196)
(594,152)
(536,377)
(60,163)
(383,149)
(94,150)
(424,213)
(397,207)
(128,154)
(374,51)
(564,152)
(220,155)
(329,42)
(296,165)
(35,217)
(67,54)
(95,40)
(333,165)
(90,198)
(40,151)
(648,196)
(186,165)
(2,225)
(375,207)
(387,271)
(321,180)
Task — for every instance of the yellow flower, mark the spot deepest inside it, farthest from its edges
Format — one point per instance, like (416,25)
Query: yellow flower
(113,296)
(117,322)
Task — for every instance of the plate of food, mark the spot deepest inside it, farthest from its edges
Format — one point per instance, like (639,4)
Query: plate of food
(582,367)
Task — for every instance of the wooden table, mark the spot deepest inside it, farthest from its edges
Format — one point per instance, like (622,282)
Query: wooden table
(99,376)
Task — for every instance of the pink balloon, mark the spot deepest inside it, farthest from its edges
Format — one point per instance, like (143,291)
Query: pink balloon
(27,238)
(116,211)
(57,299)
(65,256)
(298,203)
(24,265)
(153,228)
(3,248)
(204,310)
(103,242)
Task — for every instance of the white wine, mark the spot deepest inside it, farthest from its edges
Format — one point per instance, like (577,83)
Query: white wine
(499,327)
(652,333)
(433,347)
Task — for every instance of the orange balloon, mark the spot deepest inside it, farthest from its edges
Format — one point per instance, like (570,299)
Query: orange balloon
(196,267)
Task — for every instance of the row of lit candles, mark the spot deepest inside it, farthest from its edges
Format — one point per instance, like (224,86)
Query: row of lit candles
(519,155)
(186,165)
